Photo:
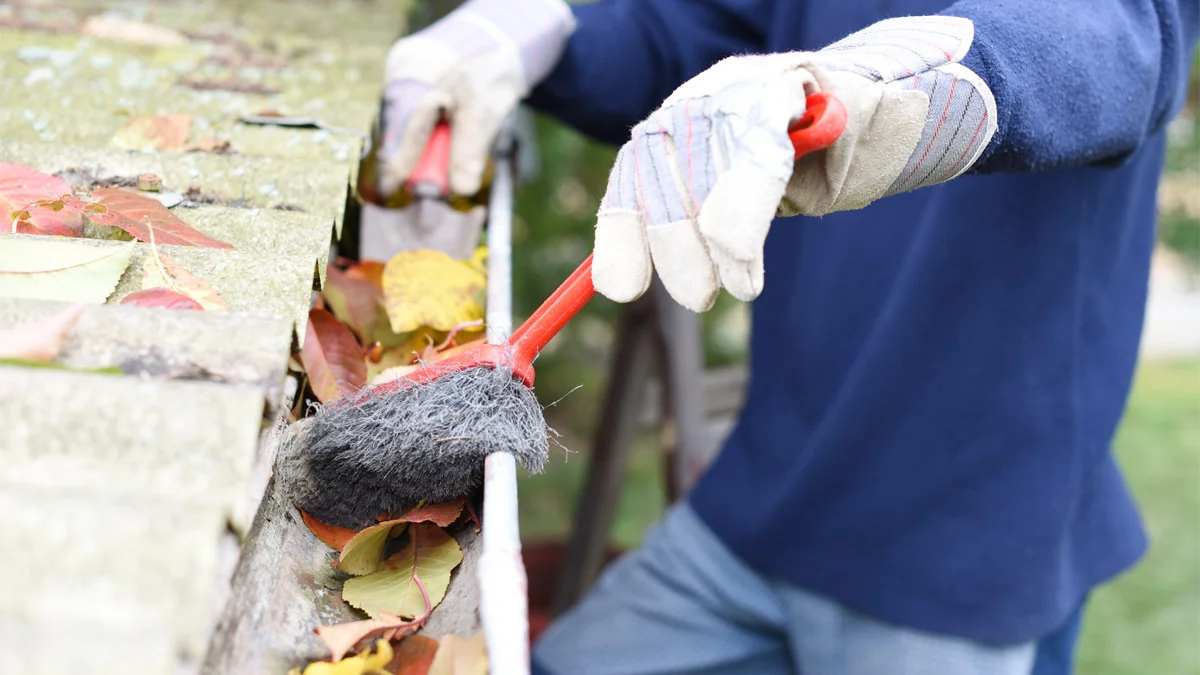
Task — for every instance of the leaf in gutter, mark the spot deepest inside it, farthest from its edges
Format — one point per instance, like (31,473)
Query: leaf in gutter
(431,555)
(332,357)
(362,553)
(461,656)
(334,537)
(415,655)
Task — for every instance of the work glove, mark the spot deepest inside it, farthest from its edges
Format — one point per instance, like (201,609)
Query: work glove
(694,191)
(474,66)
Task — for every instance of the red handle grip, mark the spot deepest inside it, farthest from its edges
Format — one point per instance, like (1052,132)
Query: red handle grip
(431,176)
(823,122)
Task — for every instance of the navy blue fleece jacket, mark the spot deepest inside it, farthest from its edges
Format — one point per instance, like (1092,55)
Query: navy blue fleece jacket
(936,379)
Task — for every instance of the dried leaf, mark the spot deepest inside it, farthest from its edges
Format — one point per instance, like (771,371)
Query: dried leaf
(334,537)
(441,515)
(48,269)
(431,554)
(135,32)
(341,638)
(138,215)
(30,202)
(162,298)
(429,288)
(362,554)
(358,302)
(181,281)
(461,656)
(154,132)
(39,340)
(331,357)
(367,663)
(414,656)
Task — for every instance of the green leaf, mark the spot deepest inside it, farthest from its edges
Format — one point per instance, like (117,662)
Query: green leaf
(431,554)
(362,554)
(52,365)
(57,269)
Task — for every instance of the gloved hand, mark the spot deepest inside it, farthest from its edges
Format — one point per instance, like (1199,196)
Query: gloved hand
(694,191)
(475,65)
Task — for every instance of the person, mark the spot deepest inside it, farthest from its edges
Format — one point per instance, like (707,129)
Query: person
(946,313)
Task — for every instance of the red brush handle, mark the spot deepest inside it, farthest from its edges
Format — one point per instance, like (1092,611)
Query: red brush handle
(555,312)
(431,176)
(823,122)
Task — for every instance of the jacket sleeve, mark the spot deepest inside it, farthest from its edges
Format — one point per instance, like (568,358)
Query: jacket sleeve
(626,56)
(1078,81)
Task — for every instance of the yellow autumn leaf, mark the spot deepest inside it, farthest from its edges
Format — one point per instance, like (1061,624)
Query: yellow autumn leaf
(430,288)
(479,259)
(367,663)
(431,555)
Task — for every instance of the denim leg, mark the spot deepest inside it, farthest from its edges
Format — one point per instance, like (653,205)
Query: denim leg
(829,639)
(683,604)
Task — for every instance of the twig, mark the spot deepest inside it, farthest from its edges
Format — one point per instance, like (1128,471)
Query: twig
(167,279)
(454,332)
(453,438)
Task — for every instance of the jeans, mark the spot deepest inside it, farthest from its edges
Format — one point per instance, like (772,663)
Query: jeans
(684,604)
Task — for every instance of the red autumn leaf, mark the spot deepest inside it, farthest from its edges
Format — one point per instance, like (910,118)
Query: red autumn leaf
(331,357)
(183,281)
(40,340)
(163,298)
(138,215)
(31,202)
(334,537)
(439,514)
(368,270)
(356,301)
(414,655)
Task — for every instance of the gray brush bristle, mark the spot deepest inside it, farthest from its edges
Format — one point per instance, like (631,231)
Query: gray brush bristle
(374,452)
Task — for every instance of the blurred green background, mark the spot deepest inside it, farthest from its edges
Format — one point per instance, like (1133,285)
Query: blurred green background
(1146,623)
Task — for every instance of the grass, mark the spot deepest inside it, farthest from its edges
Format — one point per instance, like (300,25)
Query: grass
(1147,622)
